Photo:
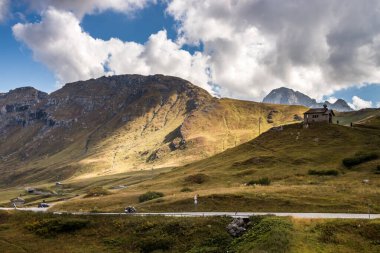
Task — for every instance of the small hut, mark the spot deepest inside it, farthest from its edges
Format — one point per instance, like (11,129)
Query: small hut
(319,115)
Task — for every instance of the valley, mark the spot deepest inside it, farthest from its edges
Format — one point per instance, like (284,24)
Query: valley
(211,147)
(154,143)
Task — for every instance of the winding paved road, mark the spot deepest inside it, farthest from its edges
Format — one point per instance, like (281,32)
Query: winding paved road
(215,214)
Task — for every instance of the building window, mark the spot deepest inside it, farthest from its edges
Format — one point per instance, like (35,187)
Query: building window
(315,116)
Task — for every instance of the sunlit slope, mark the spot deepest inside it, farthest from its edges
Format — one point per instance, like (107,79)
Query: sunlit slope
(173,138)
(284,157)
(124,123)
(229,122)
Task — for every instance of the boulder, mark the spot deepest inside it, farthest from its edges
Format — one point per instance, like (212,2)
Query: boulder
(238,227)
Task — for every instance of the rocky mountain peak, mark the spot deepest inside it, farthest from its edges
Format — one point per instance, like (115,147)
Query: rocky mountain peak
(288,96)
(24,93)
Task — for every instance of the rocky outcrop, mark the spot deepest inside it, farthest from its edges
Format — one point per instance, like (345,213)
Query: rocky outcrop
(20,107)
(238,226)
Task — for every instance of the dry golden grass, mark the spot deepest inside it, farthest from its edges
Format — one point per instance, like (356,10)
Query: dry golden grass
(276,155)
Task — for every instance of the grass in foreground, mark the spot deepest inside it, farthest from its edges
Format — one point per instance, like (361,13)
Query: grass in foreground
(28,232)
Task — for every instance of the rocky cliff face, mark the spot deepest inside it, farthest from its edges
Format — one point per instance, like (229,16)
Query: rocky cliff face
(290,97)
(120,123)
(20,107)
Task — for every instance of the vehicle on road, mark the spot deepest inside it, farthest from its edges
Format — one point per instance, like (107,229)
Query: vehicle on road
(43,205)
(130,209)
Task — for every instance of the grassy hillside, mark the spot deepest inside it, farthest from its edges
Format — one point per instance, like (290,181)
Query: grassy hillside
(304,166)
(355,117)
(209,130)
(23,232)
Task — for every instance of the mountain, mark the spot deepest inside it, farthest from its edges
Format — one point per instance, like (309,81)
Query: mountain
(122,123)
(340,105)
(290,97)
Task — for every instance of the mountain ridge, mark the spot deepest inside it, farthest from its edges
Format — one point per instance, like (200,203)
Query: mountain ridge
(121,123)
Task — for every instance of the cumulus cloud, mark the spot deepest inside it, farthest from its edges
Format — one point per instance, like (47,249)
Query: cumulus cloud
(314,46)
(331,100)
(59,42)
(378,104)
(358,103)
(4,5)
(80,8)
(249,47)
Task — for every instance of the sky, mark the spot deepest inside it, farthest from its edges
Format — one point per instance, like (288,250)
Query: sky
(327,49)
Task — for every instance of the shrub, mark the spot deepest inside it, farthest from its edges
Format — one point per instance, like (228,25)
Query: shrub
(149,196)
(371,232)
(186,189)
(267,234)
(96,192)
(328,233)
(115,242)
(152,243)
(261,181)
(323,172)
(196,178)
(359,158)
(52,227)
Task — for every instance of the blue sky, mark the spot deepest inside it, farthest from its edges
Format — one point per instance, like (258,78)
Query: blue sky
(17,65)
(20,69)
(130,27)
(212,43)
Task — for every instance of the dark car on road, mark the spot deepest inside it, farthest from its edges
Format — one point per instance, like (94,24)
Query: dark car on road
(43,205)
(130,209)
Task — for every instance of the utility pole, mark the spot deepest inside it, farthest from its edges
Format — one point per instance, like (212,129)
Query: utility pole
(260,125)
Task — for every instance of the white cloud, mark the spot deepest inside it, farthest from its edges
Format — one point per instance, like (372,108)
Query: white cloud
(4,5)
(331,100)
(378,104)
(358,103)
(80,8)
(59,42)
(316,47)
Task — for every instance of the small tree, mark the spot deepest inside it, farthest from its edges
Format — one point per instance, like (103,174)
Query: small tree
(150,196)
